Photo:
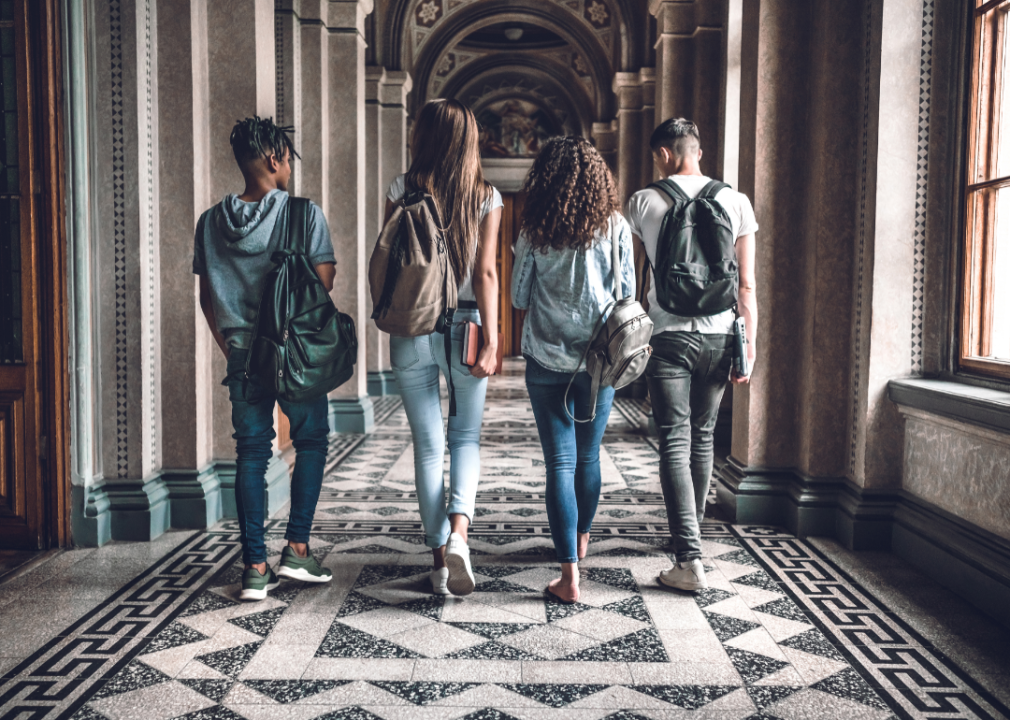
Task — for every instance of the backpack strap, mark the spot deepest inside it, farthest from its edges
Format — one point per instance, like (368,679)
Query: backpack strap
(298,220)
(671,189)
(712,189)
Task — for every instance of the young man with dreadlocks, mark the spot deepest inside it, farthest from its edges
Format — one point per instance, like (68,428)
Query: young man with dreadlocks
(234,242)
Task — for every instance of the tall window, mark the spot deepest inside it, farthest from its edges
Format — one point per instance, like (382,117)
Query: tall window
(985,322)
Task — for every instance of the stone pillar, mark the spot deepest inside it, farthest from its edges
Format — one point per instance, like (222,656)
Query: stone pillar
(689,69)
(288,68)
(184,182)
(628,88)
(380,378)
(605,140)
(242,82)
(647,77)
(350,406)
(127,253)
(810,447)
(91,521)
(392,113)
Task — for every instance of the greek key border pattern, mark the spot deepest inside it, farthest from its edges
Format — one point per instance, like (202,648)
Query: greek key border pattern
(119,237)
(916,680)
(921,187)
(63,674)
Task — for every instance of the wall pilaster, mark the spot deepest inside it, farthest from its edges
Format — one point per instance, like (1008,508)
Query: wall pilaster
(392,161)
(346,209)
(605,139)
(647,77)
(128,245)
(628,88)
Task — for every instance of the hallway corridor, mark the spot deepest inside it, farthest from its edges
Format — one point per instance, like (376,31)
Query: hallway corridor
(785,631)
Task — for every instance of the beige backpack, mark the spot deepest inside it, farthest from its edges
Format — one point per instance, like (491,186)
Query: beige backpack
(414,290)
(413,287)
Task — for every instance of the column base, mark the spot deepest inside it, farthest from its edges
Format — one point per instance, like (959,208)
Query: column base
(382,383)
(858,518)
(195,496)
(140,509)
(353,415)
(90,519)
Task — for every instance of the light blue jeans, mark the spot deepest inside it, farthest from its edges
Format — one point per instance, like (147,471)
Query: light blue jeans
(416,363)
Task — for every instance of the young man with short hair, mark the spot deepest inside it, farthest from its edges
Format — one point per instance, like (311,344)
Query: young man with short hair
(232,255)
(692,356)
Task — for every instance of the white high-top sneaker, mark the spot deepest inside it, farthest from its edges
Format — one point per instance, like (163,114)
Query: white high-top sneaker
(457,559)
(688,576)
(438,579)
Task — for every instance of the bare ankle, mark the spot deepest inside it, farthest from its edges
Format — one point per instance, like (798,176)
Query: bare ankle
(301,549)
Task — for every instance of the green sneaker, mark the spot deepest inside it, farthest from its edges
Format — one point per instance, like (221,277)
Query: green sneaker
(255,585)
(305,569)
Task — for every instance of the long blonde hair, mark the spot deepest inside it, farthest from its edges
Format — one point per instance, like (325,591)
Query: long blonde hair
(445,162)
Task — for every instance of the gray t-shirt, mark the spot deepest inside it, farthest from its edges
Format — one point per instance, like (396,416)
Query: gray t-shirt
(232,247)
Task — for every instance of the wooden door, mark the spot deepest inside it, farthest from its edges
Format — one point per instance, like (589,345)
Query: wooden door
(33,381)
(510,320)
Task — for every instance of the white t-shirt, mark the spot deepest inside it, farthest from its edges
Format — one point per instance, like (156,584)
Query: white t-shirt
(395,194)
(645,213)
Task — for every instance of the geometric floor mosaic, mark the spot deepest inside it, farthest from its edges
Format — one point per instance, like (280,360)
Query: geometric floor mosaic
(781,632)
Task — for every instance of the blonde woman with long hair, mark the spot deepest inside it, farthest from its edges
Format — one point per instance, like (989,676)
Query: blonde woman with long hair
(446,164)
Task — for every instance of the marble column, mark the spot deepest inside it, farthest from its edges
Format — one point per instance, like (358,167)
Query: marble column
(647,77)
(689,69)
(127,253)
(392,139)
(184,184)
(795,433)
(605,139)
(346,210)
(241,66)
(628,88)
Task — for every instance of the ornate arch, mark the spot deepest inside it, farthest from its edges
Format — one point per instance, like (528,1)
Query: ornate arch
(480,13)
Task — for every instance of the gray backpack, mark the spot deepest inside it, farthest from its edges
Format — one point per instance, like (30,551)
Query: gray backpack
(620,349)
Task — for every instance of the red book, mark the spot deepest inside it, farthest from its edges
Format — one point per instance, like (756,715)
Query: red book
(473,343)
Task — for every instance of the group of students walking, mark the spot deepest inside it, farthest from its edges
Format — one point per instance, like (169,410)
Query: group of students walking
(574,257)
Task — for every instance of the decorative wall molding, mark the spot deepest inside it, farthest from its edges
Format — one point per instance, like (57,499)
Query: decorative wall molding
(857,313)
(921,186)
(150,329)
(967,559)
(119,238)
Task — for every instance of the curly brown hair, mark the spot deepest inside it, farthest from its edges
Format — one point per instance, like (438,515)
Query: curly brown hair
(570,195)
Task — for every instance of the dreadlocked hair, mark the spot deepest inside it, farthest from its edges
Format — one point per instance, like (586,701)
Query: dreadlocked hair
(570,193)
(257,137)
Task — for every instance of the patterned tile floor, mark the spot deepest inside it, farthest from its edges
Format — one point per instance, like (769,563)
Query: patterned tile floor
(784,631)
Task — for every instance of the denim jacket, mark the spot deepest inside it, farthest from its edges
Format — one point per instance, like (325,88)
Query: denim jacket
(566,291)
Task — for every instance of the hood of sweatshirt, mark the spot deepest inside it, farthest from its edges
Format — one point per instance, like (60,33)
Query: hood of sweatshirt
(246,226)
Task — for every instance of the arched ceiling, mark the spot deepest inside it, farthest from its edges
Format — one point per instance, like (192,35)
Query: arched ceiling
(566,55)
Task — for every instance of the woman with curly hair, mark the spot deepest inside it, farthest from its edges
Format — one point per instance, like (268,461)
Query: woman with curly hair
(446,165)
(564,276)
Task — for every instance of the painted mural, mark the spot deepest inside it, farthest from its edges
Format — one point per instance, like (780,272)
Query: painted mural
(514,128)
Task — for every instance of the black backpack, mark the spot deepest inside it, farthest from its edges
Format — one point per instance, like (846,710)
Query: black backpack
(696,270)
(302,346)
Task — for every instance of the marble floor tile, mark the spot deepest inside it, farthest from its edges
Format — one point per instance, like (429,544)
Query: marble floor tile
(762,642)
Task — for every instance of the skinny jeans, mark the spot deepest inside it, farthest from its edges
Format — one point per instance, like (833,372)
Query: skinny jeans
(417,362)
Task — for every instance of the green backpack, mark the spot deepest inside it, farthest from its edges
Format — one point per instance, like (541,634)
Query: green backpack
(302,346)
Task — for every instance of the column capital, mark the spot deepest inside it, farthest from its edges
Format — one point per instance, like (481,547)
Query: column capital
(628,87)
(348,14)
(394,88)
(375,76)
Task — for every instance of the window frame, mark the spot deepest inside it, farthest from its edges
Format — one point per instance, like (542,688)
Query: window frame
(976,277)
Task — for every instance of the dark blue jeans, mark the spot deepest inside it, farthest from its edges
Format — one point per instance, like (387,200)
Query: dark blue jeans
(252,416)
(571,451)
(687,375)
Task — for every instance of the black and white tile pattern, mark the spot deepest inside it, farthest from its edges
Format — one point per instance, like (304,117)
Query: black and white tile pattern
(781,633)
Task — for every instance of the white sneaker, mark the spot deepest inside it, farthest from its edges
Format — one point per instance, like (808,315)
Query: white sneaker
(457,560)
(688,576)
(438,579)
